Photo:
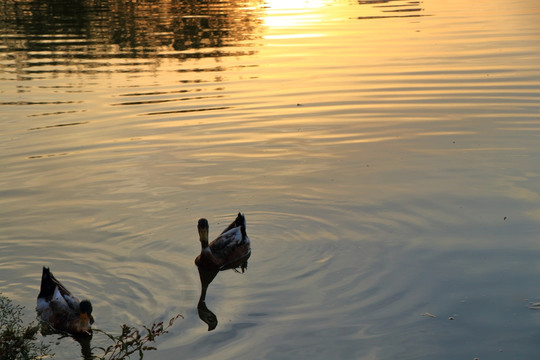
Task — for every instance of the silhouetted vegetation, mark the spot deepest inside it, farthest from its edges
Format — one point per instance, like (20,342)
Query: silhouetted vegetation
(18,341)
(132,341)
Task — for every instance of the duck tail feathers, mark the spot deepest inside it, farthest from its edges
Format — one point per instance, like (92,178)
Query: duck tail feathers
(240,221)
(49,285)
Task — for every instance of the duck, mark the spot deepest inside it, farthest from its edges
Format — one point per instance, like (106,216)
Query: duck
(62,310)
(230,250)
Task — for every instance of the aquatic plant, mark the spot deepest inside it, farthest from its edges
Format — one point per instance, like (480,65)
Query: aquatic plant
(18,341)
(131,341)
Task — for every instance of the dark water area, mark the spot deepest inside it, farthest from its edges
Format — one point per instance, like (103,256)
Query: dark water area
(385,154)
(96,30)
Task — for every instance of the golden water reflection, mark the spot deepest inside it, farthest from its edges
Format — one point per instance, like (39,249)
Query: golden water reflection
(291,14)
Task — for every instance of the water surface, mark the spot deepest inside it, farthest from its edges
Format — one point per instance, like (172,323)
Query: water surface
(385,154)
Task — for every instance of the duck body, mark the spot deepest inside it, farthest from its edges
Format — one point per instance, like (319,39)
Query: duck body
(230,250)
(62,310)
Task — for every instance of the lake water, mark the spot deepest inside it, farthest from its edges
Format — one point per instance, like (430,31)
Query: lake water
(386,155)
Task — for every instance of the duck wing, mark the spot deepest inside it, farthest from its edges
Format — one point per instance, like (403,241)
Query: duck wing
(231,238)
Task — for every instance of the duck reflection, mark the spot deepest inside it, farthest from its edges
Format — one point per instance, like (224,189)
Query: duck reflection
(84,341)
(86,349)
(230,250)
(205,314)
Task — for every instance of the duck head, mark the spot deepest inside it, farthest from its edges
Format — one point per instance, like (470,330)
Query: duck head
(85,317)
(202,226)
